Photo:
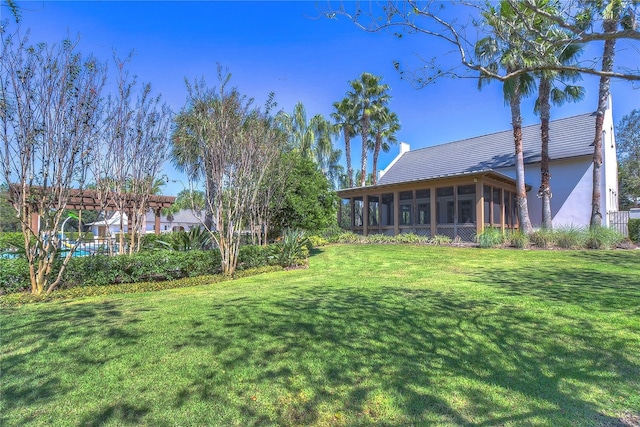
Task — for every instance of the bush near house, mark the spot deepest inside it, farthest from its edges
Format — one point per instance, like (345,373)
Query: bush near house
(634,229)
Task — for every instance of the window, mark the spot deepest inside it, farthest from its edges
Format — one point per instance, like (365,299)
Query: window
(486,194)
(374,211)
(423,203)
(497,206)
(386,209)
(466,204)
(406,205)
(358,206)
(444,205)
(345,213)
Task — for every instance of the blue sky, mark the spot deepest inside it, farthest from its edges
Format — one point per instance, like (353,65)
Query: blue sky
(285,47)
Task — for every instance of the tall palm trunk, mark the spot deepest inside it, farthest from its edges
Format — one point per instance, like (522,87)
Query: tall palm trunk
(376,153)
(609,25)
(521,190)
(347,151)
(364,124)
(544,193)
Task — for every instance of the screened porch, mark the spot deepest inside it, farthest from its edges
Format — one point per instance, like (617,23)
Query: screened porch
(457,207)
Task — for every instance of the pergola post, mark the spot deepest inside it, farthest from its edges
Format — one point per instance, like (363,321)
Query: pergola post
(156,225)
(34,221)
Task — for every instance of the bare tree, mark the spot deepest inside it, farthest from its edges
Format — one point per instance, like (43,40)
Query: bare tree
(233,145)
(136,132)
(50,99)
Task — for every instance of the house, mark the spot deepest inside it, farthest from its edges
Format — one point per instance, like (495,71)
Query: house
(182,220)
(459,188)
(110,224)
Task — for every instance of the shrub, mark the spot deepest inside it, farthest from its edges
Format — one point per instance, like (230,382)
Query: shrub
(14,275)
(603,238)
(379,238)
(634,229)
(347,237)
(101,270)
(517,239)
(253,256)
(332,232)
(10,240)
(410,238)
(490,238)
(83,291)
(316,241)
(440,240)
(197,238)
(149,242)
(291,250)
(543,238)
(570,237)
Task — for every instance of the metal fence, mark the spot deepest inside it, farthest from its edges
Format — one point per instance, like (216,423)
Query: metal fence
(618,221)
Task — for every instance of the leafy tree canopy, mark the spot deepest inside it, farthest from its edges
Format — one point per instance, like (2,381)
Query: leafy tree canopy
(309,201)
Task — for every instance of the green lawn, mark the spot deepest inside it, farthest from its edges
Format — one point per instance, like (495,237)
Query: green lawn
(368,335)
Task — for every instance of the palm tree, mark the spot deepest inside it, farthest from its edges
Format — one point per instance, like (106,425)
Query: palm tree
(345,119)
(326,157)
(548,94)
(384,126)
(302,134)
(187,142)
(366,95)
(613,13)
(504,48)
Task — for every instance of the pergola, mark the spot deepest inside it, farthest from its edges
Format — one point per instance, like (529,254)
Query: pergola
(89,200)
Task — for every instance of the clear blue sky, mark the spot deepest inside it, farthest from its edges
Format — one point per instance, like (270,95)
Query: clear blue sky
(285,47)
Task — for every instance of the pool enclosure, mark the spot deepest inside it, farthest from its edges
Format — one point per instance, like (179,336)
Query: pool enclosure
(456,206)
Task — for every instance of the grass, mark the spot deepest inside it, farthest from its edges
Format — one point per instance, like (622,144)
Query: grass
(368,335)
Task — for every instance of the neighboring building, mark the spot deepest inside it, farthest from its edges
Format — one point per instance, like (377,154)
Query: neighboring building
(459,188)
(109,225)
(182,220)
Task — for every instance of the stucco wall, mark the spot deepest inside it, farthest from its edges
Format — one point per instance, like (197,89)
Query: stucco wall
(570,187)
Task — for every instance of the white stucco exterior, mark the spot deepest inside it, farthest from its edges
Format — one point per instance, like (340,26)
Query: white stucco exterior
(182,220)
(571,184)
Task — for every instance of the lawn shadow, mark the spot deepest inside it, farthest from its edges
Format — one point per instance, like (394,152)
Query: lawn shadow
(121,414)
(59,339)
(382,357)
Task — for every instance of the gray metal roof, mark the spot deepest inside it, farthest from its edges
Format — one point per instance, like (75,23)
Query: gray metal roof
(568,137)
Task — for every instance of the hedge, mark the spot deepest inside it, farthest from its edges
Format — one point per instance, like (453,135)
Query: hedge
(11,239)
(634,229)
(157,265)
(100,270)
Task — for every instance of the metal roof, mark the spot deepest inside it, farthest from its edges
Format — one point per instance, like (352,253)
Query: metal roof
(568,137)
(346,192)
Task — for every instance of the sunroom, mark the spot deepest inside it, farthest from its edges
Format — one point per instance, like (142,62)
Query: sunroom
(457,206)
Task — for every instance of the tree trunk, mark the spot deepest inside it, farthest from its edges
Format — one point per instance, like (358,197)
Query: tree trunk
(363,164)
(544,192)
(609,25)
(521,190)
(376,153)
(347,151)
